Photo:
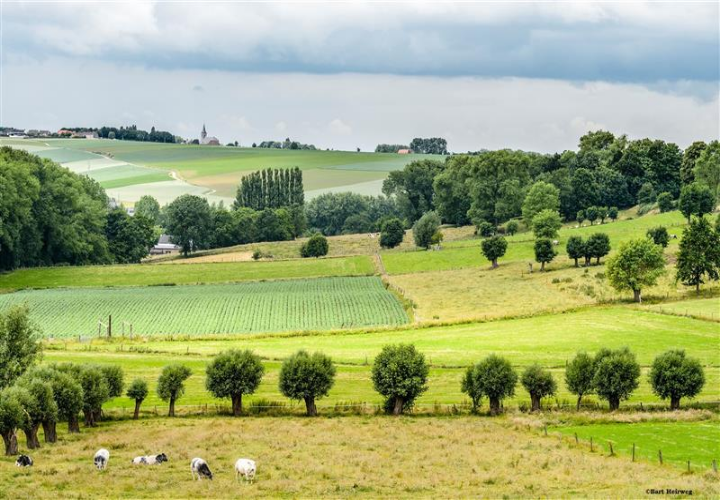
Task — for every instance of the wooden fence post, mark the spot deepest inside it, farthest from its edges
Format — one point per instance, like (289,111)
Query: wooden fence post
(576,439)
(611,449)
(633,452)
(714,466)
(591,446)
(688,465)
(660,456)
(545,430)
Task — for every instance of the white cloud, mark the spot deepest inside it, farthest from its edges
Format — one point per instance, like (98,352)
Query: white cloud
(349,110)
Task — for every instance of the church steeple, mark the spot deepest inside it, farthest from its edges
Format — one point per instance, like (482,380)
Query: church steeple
(203,134)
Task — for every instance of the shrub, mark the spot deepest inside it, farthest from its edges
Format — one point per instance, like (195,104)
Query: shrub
(665,202)
(493,248)
(307,377)
(316,246)
(616,375)
(637,264)
(675,376)
(546,224)
(597,246)
(485,229)
(392,233)
(613,213)
(539,383)
(425,228)
(575,248)
(137,391)
(659,235)
(579,375)
(399,373)
(171,384)
(496,379)
(233,373)
(511,227)
(544,251)
(437,238)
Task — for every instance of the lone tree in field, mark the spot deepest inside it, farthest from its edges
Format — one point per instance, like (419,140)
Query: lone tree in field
(316,246)
(233,373)
(392,233)
(659,235)
(95,392)
(699,255)
(493,248)
(137,391)
(638,264)
(470,387)
(306,377)
(539,383)
(579,375)
(19,344)
(496,379)
(425,228)
(616,375)
(400,374)
(546,224)
(575,248)
(171,384)
(11,418)
(695,199)
(675,376)
(597,246)
(544,251)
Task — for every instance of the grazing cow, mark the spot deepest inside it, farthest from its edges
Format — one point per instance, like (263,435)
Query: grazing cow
(24,461)
(246,468)
(150,459)
(101,458)
(200,467)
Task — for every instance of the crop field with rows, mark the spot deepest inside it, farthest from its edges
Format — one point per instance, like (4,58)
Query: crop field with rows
(315,304)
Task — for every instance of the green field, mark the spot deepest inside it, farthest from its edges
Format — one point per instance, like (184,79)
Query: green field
(215,171)
(698,442)
(466,253)
(708,308)
(216,272)
(315,304)
(549,340)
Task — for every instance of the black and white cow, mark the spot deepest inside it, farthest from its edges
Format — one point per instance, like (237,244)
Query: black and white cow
(200,467)
(24,461)
(101,458)
(150,459)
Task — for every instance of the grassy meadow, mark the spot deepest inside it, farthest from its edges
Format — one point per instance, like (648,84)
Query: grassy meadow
(339,457)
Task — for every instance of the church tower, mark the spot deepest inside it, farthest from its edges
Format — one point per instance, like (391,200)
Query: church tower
(203,135)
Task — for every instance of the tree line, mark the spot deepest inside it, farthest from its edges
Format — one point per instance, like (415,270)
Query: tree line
(271,188)
(34,396)
(52,216)
(286,144)
(419,145)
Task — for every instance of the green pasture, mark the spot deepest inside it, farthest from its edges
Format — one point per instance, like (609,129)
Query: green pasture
(708,308)
(548,340)
(698,442)
(151,274)
(466,253)
(126,175)
(250,307)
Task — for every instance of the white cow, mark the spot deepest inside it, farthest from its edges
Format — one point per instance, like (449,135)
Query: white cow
(101,458)
(150,459)
(246,468)
(200,467)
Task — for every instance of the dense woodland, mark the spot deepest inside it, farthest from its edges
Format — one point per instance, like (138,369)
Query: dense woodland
(51,216)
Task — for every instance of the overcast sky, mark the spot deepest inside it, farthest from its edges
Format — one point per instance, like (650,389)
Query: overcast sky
(482,75)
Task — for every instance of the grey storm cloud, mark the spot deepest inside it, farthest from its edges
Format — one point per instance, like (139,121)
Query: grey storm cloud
(632,42)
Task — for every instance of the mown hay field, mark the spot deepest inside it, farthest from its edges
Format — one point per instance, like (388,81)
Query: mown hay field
(285,305)
(698,442)
(370,457)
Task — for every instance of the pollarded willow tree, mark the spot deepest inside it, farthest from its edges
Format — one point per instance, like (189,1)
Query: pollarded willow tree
(232,374)
(400,373)
(617,375)
(493,248)
(137,391)
(698,258)
(539,383)
(495,378)
(674,376)
(306,377)
(171,384)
